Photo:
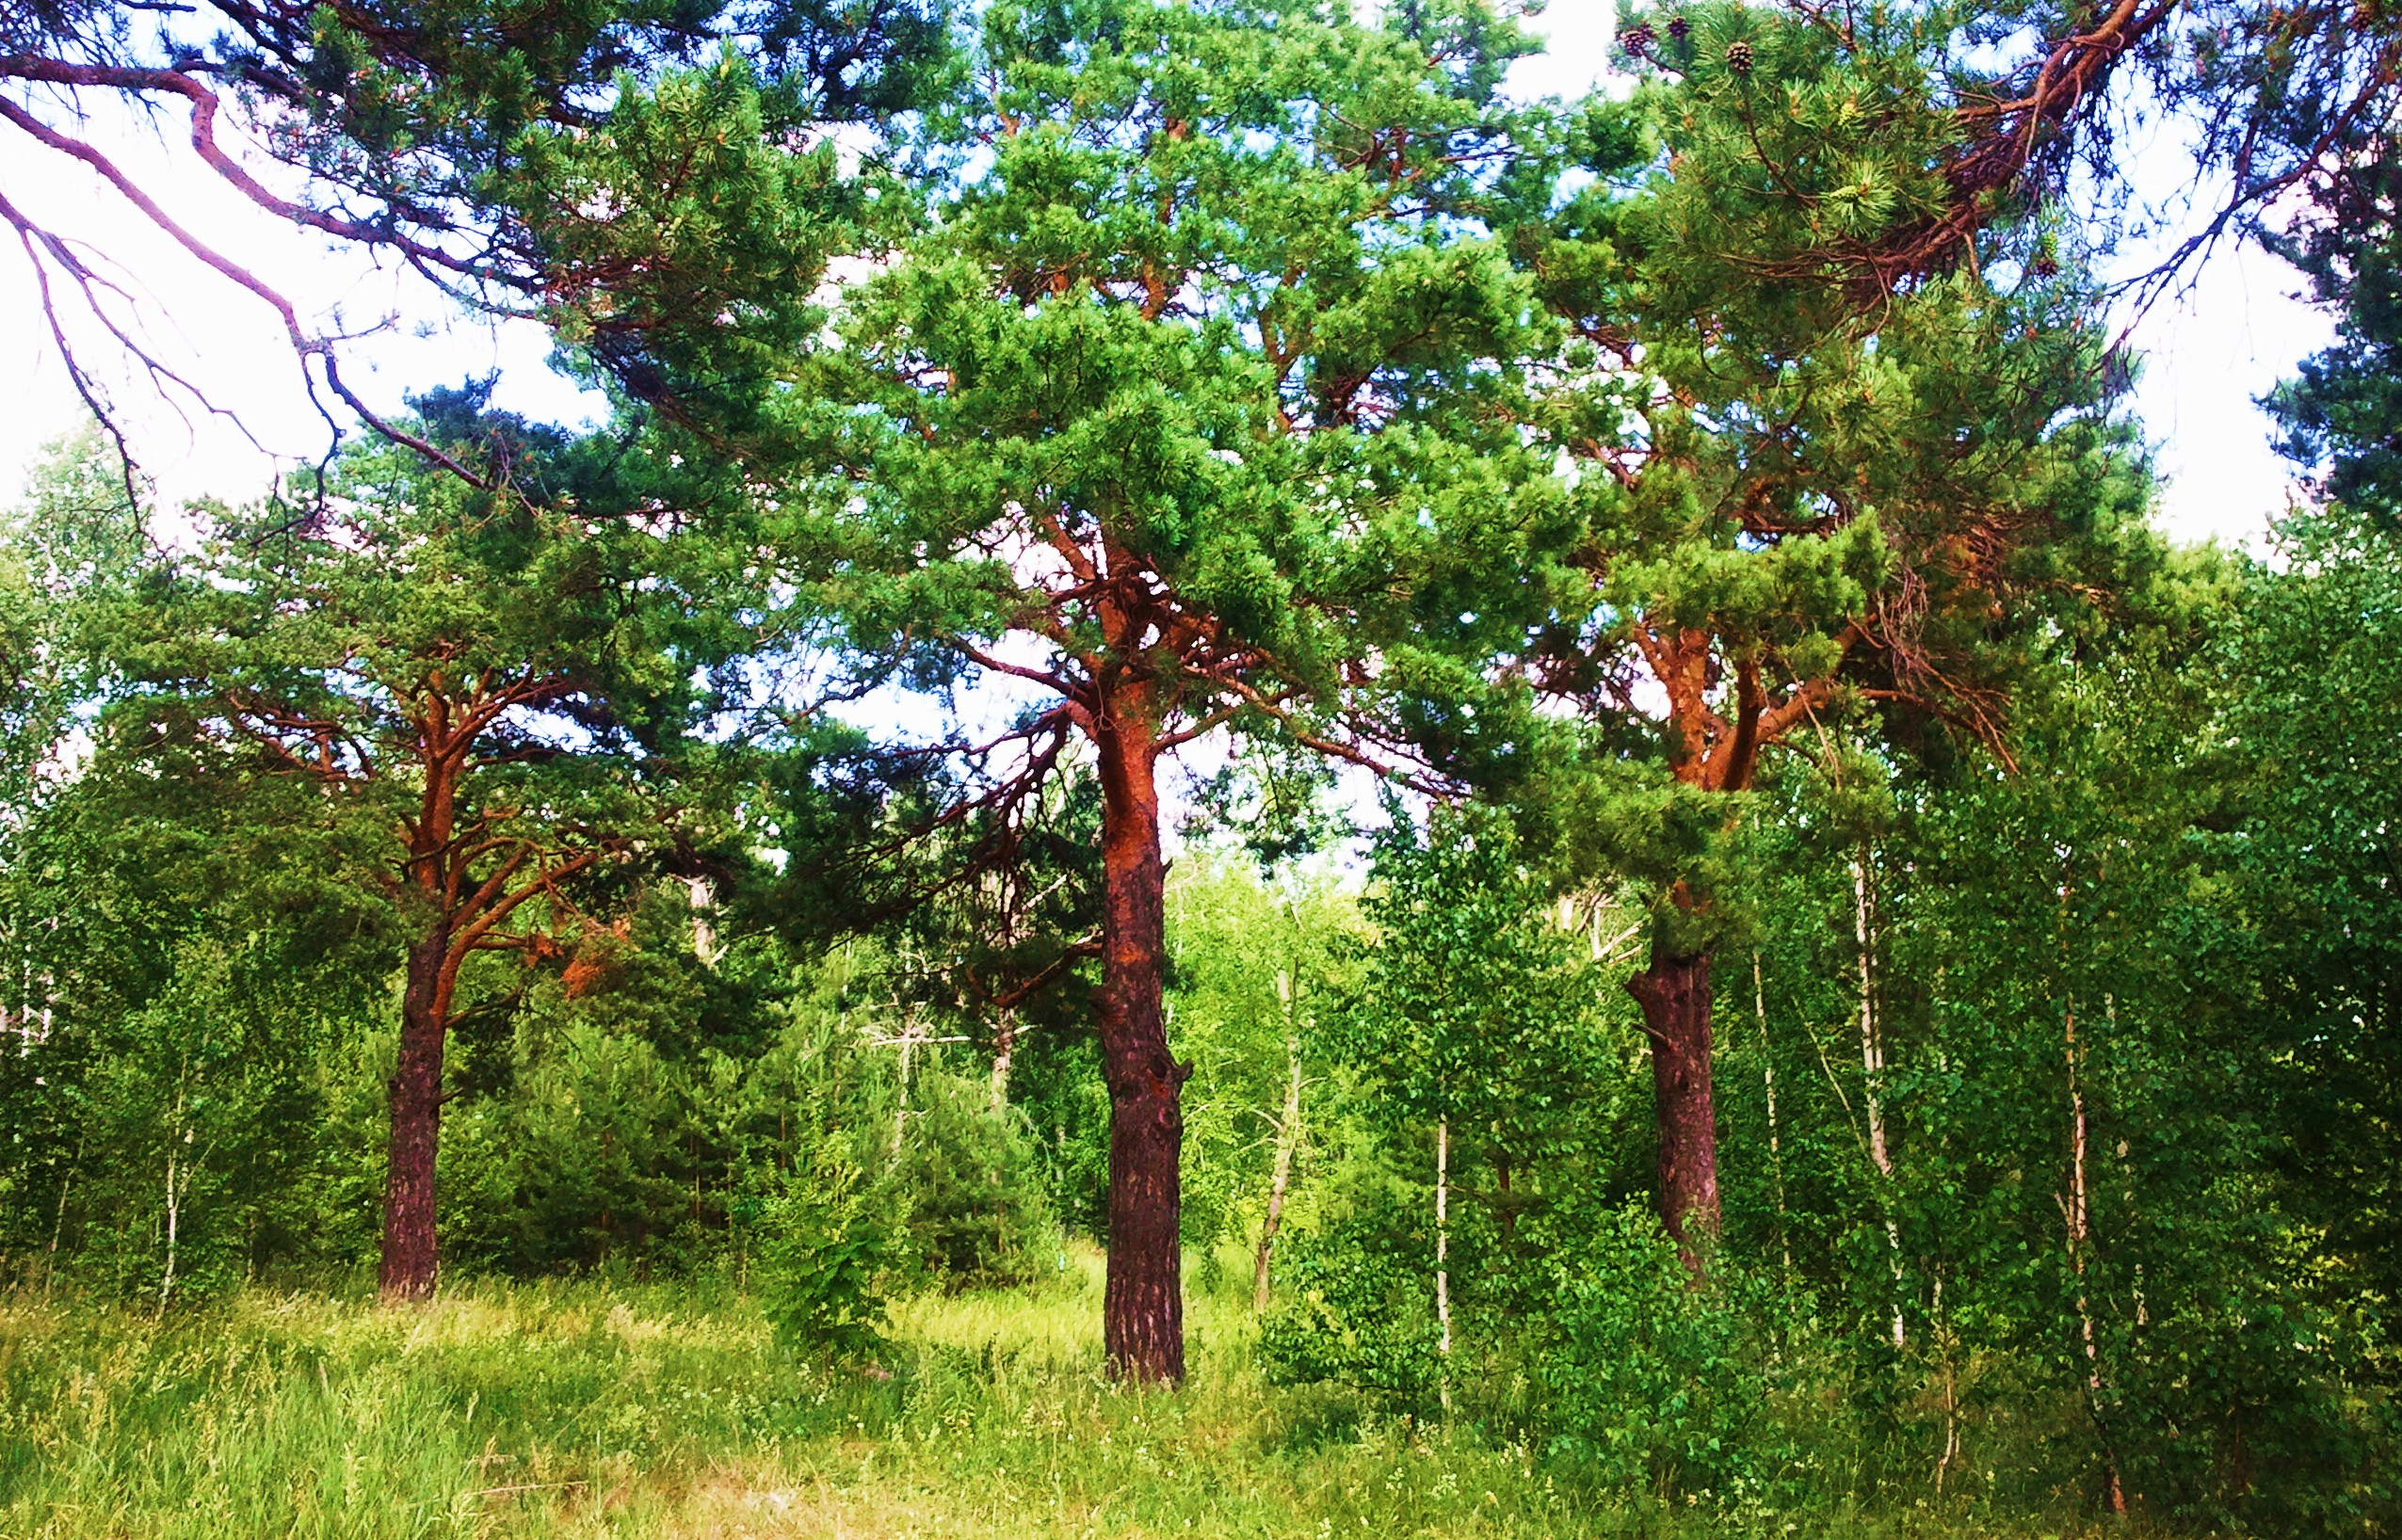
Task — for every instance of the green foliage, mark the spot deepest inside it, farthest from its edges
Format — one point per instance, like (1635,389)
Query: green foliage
(1173,322)
(825,1261)
(1257,967)
(1472,1009)
(1469,1014)
(2339,414)
(1360,1312)
(1262,368)
(652,179)
(969,1189)
(1646,1381)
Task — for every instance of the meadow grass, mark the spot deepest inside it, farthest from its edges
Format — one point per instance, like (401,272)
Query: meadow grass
(586,1409)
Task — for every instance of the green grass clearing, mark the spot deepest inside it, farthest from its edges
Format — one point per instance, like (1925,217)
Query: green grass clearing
(579,1409)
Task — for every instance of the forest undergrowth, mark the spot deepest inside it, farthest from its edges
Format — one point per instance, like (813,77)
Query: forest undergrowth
(588,1408)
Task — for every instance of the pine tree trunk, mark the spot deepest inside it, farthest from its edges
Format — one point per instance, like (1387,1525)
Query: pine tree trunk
(1674,992)
(409,1249)
(1143,1308)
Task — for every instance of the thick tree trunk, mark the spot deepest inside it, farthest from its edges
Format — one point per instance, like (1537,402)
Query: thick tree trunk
(1674,992)
(409,1250)
(1143,1309)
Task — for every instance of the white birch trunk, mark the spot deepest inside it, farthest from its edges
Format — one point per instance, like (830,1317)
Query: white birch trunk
(1768,1084)
(1872,1063)
(167,1280)
(704,899)
(58,1223)
(1005,1048)
(2075,1212)
(1288,1144)
(900,1110)
(175,1149)
(1442,1248)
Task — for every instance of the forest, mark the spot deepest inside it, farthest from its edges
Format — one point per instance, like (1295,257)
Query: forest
(1252,787)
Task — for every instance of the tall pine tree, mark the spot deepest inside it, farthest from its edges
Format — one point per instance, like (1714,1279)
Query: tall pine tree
(1792,503)
(1193,347)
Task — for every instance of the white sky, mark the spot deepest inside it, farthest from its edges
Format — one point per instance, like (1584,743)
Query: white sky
(2229,338)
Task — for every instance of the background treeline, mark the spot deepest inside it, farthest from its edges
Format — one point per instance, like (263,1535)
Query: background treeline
(2055,1103)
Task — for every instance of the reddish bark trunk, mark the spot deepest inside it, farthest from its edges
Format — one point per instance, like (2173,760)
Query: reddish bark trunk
(1143,1309)
(409,1249)
(1674,992)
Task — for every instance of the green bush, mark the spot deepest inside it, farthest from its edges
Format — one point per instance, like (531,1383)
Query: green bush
(971,1186)
(830,1234)
(1649,1380)
(1360,1314)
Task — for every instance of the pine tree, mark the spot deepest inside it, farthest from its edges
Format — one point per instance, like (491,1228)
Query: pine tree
(2343,413)
(654,182)
(1793,505)
(1198,330)
(486,685)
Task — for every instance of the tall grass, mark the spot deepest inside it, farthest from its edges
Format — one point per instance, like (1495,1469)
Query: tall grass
(580,1410)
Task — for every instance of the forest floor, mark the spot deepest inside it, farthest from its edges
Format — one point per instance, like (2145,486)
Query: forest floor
(583,1410)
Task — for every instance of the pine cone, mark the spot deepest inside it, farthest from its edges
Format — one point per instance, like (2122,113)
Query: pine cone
(1638,38)
(1678,28)
(1738,58)
(2044,266)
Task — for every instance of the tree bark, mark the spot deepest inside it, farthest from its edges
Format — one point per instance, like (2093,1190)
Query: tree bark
(1005,1049)
(1768,1084)
(1143,1306)
(2074,1211)
(59,1224)
(410,1257)
(1674,992)
(1872,1070)
(1288,1142)
(1443,1251)
(175,1209)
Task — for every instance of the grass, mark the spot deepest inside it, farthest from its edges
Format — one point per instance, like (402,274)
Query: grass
(580,1410)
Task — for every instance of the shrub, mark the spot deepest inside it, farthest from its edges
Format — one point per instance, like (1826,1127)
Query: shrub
(1360,1314)
(830,1234)
(971,1186)
(1649,1380)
